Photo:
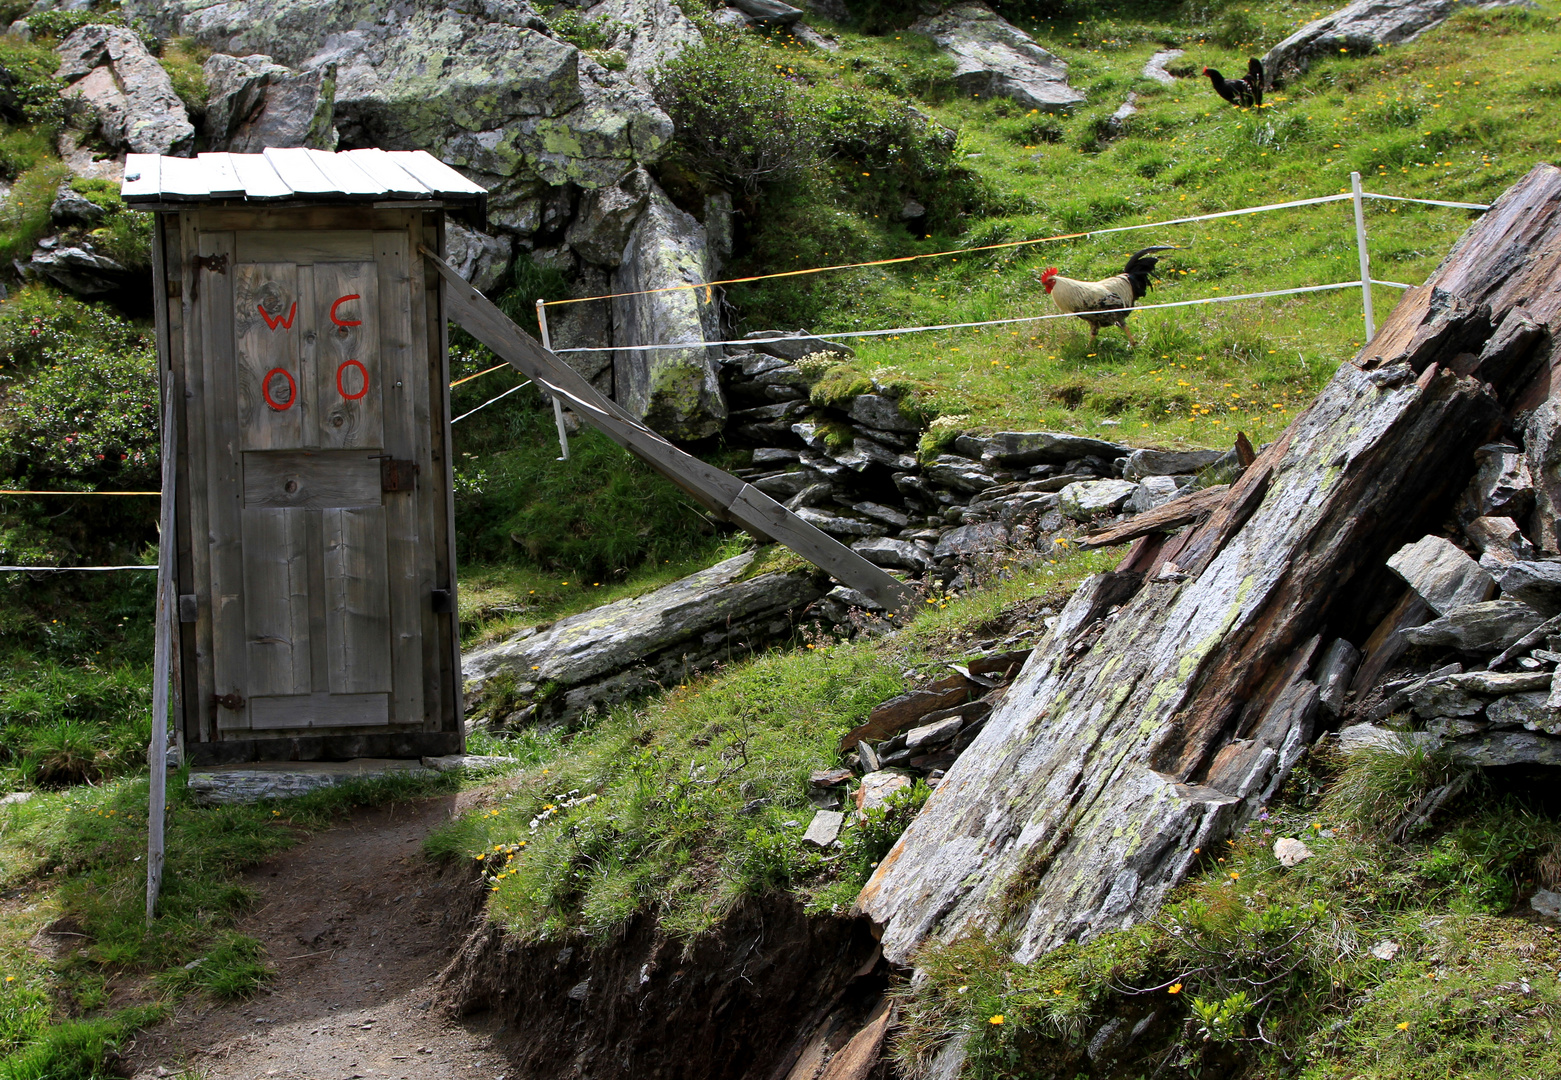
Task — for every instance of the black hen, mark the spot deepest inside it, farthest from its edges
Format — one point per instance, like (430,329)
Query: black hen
(1247,91)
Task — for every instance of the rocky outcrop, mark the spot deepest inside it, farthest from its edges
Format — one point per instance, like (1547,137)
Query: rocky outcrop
(110,71)
(1362,27)
(1172,695)
(481,84)
(645,33)
(994,58)
(555,673)
(254,103)
(479,258)
(78,268)
(676,391)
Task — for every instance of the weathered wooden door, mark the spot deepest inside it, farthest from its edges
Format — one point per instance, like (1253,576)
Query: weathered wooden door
(316,410)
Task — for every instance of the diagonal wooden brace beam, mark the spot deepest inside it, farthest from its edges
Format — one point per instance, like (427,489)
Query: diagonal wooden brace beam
(718,491)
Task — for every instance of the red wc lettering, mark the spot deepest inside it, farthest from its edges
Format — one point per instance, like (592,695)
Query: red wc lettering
(339,302)
(363,380)
(273,321)
(292,389)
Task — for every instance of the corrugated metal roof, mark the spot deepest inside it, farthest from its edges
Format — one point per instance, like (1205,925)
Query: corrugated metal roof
(296,174)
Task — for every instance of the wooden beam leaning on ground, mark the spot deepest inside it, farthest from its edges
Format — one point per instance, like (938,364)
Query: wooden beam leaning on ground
(1186,510)
(717,491)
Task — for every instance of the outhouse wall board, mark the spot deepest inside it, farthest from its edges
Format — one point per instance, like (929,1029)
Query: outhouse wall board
(306,348)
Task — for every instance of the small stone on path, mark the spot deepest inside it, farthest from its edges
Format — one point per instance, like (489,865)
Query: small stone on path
(1290,851)
(824,829)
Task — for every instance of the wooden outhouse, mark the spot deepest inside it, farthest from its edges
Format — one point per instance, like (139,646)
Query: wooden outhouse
(302,336)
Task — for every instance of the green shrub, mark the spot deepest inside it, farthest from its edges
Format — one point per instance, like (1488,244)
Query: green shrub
(86,413)
(29,92)
(182,59)
(740,121)
(62,24)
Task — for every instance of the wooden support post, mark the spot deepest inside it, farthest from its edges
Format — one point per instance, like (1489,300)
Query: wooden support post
(1365,256)
(720,492)
(167,590)
(558,406)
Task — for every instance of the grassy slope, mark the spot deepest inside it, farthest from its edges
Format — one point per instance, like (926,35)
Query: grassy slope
(1458,114)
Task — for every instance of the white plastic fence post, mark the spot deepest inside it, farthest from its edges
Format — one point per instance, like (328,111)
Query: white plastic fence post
(558,406)
(1365,256)
(157,800)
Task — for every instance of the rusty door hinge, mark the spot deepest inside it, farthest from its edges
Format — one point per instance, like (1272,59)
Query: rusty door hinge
(233,701)
(396,474)
(216,263)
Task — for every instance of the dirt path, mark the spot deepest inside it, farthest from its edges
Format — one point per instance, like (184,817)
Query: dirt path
(357,924)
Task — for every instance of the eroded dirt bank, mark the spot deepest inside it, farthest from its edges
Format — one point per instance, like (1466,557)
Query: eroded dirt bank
(746,1001)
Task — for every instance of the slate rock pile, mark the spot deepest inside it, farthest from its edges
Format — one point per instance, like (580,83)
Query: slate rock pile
(1470,658)
(857,468)
(915,735)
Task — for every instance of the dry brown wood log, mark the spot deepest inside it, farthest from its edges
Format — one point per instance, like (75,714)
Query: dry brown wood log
(1163,518)
(1129,741)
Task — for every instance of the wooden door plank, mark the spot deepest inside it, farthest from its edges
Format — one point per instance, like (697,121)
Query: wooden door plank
(408,516)
(320,711)
(143,177)
(350,371)
(319,656)
(272,400)
(298,171)
(304,245)
(432,329)
(222,176)
(196,486)
(276,600)
(434,174)
(345,174)
(712,487)
(383,169)
(224,473)
(308,359)
(357,603)
(311,479)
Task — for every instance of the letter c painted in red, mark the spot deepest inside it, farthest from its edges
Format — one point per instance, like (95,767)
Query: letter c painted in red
(339,302)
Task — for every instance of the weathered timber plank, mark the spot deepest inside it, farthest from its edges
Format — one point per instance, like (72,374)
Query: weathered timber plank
(357,601)
(320,711)
(715,489)
(408,514)
(351,369)
(311,479)
(303,246)
(1082,801)
(271,397)
(224,470)
(1162,518)
(276,600)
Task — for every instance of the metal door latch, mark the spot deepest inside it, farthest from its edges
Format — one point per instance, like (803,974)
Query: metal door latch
(396,474)
(233,702)
(215,263)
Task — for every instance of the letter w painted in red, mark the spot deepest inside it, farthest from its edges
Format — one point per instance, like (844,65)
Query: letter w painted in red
(273,321)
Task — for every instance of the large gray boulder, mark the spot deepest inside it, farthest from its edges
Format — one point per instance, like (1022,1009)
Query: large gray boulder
(479,258)
(78,268)
(646,33)
(610,652)
(109,70)
(992,57)
(1361,27)
(675,390)
(601,226)
(1014,449)
(481,84)
(254,103)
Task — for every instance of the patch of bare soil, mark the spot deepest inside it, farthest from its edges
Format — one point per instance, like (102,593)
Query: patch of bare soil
(357,923)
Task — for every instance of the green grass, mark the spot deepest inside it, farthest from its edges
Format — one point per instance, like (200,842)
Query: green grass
(1457,114)
(682,807)
(1258,970)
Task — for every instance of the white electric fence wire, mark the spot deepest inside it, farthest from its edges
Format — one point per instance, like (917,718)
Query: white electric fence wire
(490,401)
(827,337)
(1427,202)
(63,569)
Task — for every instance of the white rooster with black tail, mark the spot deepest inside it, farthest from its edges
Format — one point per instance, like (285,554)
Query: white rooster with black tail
(1104,302)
